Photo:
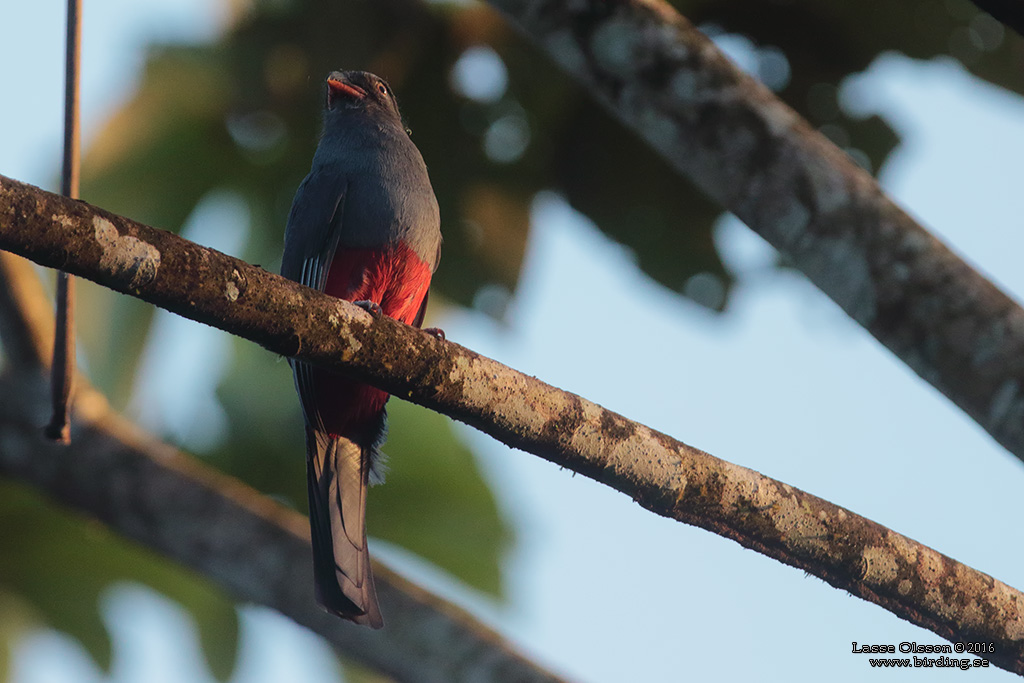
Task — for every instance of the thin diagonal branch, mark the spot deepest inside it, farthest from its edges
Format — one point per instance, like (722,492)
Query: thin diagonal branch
(755,156)
(664,475)
(63,367)
(254,548)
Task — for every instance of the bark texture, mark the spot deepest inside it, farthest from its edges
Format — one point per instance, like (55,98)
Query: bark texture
(664,475)
(252,547)
(756,157)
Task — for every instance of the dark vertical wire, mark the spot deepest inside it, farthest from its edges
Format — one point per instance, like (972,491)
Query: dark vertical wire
(63,369)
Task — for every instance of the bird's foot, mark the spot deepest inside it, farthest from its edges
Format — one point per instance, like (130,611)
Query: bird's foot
(371,307)
(436,332)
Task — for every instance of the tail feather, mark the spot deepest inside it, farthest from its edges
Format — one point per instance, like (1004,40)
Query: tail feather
(338,472)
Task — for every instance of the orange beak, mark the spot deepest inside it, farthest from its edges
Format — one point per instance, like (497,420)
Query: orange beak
(336,89)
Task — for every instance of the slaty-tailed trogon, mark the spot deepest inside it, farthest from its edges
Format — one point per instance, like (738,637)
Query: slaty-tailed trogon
(364,226)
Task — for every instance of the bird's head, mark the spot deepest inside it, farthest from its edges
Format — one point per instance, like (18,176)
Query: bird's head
(360,91)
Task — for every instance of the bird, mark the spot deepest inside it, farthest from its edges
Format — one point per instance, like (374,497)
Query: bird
(365,227)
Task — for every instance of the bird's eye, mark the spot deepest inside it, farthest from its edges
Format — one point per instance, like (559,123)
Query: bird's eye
(382,89)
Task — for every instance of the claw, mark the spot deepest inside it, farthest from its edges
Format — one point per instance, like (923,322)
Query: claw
(435,332)
(371,307)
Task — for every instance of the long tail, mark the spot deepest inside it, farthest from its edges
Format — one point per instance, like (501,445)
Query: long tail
(338,471)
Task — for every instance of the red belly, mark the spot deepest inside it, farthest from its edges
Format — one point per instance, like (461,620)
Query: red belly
(396,279)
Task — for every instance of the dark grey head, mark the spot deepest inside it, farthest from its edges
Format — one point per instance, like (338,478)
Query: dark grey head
(360,91)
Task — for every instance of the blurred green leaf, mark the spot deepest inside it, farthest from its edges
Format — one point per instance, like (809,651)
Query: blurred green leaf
(356,673)
(17,620)
(61,564)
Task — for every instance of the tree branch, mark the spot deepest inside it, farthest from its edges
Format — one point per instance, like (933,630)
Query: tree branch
(754,155)
(252,547)
(662,474)
(63,367)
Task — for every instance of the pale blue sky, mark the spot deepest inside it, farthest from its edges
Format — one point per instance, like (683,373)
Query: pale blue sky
(783,383)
